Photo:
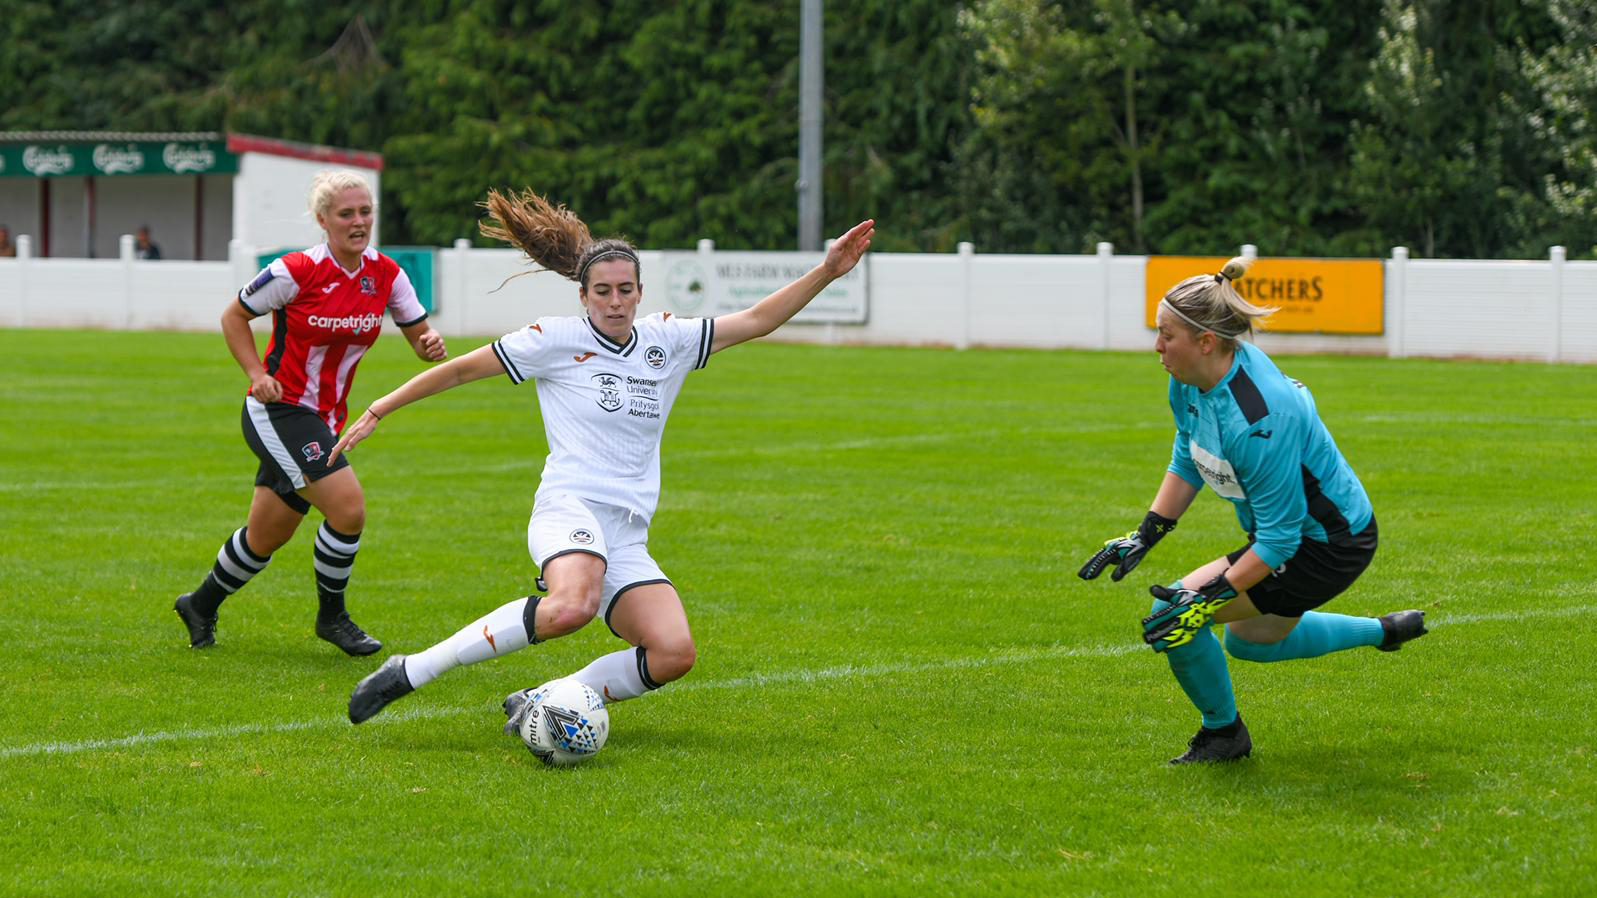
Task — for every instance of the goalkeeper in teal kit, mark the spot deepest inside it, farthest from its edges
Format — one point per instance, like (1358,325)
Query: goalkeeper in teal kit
(1251,435)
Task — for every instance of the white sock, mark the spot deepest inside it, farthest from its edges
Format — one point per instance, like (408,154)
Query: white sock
(499,632)
(617,676)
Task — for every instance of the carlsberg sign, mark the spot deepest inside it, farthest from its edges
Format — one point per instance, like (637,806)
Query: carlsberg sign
(103,159)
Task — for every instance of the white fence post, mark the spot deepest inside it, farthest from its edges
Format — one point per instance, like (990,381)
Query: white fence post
(1397,302)
(1106,261)
(460,302)
(967,256)
(1558,255)
(125,255)
(24,262)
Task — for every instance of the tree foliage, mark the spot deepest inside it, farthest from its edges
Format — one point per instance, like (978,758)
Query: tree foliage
(1330,127)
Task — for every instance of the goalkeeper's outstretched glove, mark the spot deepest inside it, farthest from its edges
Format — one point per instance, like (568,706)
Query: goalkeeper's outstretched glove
(1129,549)
(1190,611)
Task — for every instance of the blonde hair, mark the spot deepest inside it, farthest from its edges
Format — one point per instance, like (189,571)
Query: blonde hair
(328,184)
(1209,302)
(550,235)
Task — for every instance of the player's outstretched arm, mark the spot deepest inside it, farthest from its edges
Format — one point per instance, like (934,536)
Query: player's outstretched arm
(475,365)
(774,311)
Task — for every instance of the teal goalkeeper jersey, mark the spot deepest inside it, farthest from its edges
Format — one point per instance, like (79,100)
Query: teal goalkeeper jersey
(1258,442)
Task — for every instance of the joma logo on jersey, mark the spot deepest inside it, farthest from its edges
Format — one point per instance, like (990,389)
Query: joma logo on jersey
(609,391)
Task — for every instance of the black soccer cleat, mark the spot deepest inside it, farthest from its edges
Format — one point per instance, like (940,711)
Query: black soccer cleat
(1228,743)
(347,635)
(202,629)
(382,686)
(1399,627)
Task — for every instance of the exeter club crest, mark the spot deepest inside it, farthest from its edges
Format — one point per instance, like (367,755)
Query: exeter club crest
(368,286)
(609,391)
(312,450)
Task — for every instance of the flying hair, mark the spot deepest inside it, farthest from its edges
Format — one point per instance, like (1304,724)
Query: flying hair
(550,235)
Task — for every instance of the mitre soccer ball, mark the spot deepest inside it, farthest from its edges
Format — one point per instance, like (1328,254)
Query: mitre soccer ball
(565,723)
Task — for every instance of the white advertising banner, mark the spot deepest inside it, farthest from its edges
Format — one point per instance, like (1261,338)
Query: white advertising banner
(707,284)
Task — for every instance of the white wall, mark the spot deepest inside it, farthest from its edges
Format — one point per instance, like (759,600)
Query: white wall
(269,200)
(19,205)
(66,218)
(1540,310)
(1576,335)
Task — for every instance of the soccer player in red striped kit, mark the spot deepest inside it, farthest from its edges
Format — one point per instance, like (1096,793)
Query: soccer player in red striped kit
(327,305)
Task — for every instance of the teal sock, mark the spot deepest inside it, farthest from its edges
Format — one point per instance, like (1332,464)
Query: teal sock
(1317,634)
(1199,667)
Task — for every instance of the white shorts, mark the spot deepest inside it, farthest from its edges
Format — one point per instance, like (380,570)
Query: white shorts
(562,524)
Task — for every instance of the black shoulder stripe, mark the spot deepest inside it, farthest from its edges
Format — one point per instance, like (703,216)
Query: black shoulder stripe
(706,339)
(412,321)
(510,368)
(1248,398)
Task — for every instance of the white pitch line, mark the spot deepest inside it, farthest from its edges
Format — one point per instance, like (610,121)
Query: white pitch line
(757,680)
(750,681)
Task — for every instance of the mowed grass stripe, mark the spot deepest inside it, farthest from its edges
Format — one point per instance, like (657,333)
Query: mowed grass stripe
(754,681)
(877,550)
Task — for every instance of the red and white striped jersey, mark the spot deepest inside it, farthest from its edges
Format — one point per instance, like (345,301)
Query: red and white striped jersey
(324,319)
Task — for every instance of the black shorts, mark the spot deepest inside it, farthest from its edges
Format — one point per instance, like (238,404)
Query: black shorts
(292,443)
(1318,573)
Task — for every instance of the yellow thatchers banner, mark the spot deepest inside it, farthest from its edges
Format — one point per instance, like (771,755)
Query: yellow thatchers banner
(1315,296)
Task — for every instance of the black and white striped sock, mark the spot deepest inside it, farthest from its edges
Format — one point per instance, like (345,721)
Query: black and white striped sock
(235,566)
(335,561)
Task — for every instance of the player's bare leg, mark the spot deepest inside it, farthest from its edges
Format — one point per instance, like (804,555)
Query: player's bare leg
(575,583)
(652,619)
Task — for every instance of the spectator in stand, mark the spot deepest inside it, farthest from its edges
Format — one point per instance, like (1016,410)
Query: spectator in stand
(143,246)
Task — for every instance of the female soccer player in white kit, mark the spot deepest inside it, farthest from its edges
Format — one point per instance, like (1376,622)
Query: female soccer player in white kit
(606,382)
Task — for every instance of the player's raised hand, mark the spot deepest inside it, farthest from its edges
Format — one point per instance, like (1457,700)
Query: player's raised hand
(1126,552)
(354,433)
(845,251)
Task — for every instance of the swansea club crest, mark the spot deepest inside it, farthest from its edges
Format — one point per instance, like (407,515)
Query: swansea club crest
(609,391)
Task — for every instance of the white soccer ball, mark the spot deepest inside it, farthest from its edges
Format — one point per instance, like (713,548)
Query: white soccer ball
(566,724)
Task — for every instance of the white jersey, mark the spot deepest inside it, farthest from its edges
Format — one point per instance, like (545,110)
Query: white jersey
(605,403)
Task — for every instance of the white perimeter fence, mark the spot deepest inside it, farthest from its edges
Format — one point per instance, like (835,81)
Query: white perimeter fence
(1542,310)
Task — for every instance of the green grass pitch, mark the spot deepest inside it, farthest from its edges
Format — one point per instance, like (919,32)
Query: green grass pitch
(902,689)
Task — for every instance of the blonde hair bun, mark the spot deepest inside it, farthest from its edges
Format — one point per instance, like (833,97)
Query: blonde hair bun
(1236,268)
